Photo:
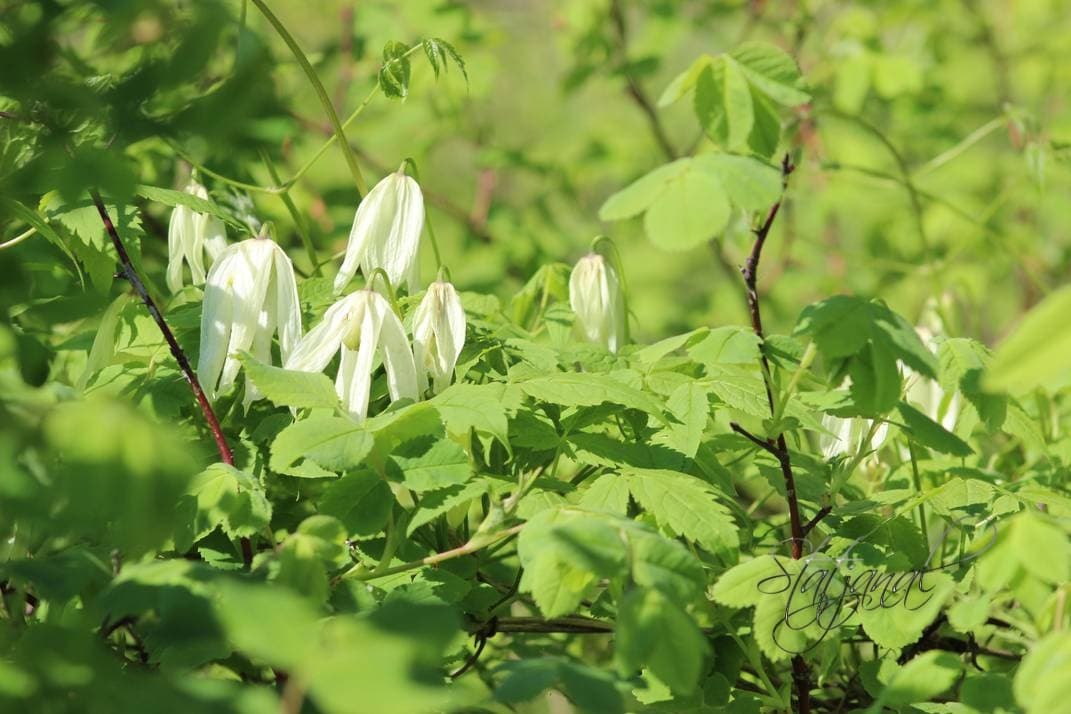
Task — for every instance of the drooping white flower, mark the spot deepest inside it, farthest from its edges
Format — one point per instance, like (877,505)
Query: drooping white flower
(362,326)
(189,235)
(386,233)
(438,335)
(597,300)
(927,394)
(250,295)
(846,436)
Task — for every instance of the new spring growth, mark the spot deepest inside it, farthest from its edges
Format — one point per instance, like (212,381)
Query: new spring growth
(250,295)
(189,235)
(597,299)
(364,328)
(386,233)
(438,335)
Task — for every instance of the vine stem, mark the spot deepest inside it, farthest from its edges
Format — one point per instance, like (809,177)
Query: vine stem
(131,275)
(778,446)
(360,573)
(321,93)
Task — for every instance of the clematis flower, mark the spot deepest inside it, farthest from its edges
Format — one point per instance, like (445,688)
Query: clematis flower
(362,326)
(438,335)
(846,436)
(189,235)
(597,300)
(386,232)
(925,393)
(250,295)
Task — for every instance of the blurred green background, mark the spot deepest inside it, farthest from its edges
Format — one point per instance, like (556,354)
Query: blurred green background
(931,160)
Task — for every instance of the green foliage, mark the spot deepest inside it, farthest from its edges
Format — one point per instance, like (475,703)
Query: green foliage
(615,526)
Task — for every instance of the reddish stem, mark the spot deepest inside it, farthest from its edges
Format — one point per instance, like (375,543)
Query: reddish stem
(132,277)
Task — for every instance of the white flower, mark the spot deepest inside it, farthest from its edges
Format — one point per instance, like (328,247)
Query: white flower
(362,325)
(386,233)
(250,294)
(598,302)
(927,394)
(846,436)
(189,235)
(438,335)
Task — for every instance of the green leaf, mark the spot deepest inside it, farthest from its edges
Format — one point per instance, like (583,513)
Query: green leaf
(1035,353)
(438,51)
(584,389)
(772,72)
(641,194)
(360,499)
(288,388)
(654,631)
(170,197)
(394,73)
(608,493)
(688,201)
(740,586)
(691,209)
(685,505)
(436,503)
(723,103)
(483,407)
(221,495)
(1042,684)
(726,345)
(898,625)
(334,443)
(689,405)
(930,434)
(564,552)
(921,679)
(444,464)
(750,184)
(685,81)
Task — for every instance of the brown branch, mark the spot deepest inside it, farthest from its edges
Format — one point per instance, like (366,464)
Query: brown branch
(132,277)
(809,525)
(632,86)
(778,446)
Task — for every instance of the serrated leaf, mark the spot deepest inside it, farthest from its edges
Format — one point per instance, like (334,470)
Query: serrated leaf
(685,505)
(584,389)
(771,71)
(920,679)
(394,73)
(336,443)
(436,503)
(222,496)
(741,585)
(287,388)
(898,625)
(444,464)
(360,499)
(654,631)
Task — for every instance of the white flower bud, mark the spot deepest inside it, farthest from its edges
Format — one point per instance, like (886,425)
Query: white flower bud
(250,295)
(386,233)
(189,235)
(438,335)
(363,327)
(597,300)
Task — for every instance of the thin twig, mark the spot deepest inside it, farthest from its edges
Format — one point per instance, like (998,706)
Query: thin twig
(131,275)
(809,525)
(632,86)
